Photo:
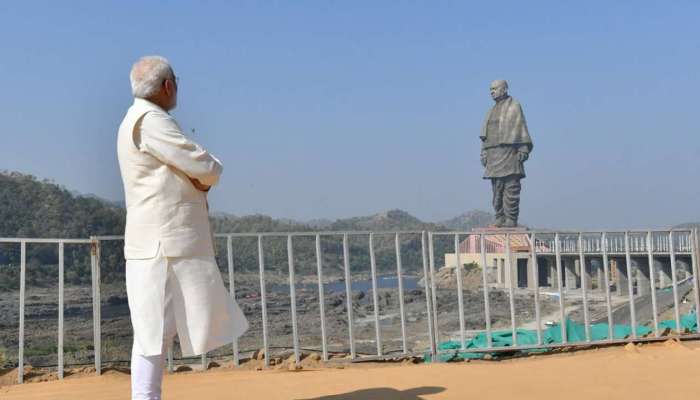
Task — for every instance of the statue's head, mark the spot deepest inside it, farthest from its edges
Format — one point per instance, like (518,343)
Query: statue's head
(499,89)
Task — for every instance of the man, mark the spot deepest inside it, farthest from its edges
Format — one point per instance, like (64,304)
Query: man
(505,146)
(172,280)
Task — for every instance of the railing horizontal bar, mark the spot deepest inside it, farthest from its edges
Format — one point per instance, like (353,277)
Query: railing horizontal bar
(109,237)
(285,234)
(603,342)
(475,231)
(42,240)
(322,233)
(397,355)
(618,253)
(490,231)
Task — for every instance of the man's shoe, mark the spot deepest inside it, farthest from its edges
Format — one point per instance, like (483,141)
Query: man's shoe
(500,221)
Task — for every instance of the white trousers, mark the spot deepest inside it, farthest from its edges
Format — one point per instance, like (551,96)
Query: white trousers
(147,371)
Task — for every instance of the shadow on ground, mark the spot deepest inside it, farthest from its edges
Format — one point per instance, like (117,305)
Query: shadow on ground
(384,394)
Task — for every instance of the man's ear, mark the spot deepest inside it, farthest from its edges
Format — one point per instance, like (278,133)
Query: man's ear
(169,87)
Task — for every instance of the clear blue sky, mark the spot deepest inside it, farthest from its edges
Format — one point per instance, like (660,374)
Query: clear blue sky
(332,109)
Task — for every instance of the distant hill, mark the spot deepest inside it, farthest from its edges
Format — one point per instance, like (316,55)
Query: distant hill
(469,220)
(385,221)
(254,223)
(320,223)
(42,209)
(33,208)
(115,203)
(30,207)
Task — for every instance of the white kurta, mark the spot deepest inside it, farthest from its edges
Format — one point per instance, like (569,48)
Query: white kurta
(168,238)
(205,316)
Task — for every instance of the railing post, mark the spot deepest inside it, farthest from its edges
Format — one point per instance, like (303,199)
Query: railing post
(650,260)
(232,291)
(560,284)
(511,292)
(460,293)
(484,277)
(321,297)
(431,253)
(348,294)
(606,279)
(428,301)
(584,282)
(672,254)
(536,273)
(171,367)
(263,299)
(96,304)
(628,267)
(399,277)
(375,295)
(694,261)
(293,298)
(22,294)
(61,269)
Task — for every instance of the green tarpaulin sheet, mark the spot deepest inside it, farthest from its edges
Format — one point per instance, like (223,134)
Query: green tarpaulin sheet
(575,333)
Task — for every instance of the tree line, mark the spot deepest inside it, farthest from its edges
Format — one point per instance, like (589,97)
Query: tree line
(35,208)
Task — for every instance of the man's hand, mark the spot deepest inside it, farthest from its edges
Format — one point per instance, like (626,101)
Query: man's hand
(523,156)
(199,186)
(483,159)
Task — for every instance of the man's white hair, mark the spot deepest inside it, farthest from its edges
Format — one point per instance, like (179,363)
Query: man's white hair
(147,75)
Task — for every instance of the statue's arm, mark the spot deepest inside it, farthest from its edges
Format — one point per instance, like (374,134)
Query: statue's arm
(523,152)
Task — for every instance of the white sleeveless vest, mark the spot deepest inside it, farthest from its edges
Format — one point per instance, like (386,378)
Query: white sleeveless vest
(164,209)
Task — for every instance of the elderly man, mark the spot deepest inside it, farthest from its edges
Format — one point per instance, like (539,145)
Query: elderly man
(505,146)
(172,280)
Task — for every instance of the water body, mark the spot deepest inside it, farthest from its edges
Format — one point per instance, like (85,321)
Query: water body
(383,282)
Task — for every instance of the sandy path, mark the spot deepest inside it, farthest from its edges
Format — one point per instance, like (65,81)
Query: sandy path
(662,370)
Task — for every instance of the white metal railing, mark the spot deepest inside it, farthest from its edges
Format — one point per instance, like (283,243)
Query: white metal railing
(639,242)
(23,242)
(556,245)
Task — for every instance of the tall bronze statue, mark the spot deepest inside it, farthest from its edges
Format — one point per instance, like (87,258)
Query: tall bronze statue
(505,146)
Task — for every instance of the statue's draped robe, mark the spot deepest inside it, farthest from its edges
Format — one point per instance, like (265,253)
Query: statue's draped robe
(503,135)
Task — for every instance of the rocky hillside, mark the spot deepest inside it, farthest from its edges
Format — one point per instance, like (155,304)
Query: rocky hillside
(30,207)
(385,221)
(469,220)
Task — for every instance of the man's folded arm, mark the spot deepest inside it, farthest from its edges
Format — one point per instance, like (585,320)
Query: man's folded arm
(162,137)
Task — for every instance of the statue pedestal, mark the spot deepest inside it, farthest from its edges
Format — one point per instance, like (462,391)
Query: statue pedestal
(515,270)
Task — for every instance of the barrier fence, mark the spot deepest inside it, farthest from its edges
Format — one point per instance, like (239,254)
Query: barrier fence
(555,249)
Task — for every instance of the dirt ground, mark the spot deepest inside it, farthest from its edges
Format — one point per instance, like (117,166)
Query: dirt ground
(660,370)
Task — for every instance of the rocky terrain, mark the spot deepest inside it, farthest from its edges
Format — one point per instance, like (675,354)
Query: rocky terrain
(42,319)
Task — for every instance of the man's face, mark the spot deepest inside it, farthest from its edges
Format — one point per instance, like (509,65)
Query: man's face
(498,89)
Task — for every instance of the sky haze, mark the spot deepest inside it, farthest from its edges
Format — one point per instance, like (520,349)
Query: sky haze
(337,109)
